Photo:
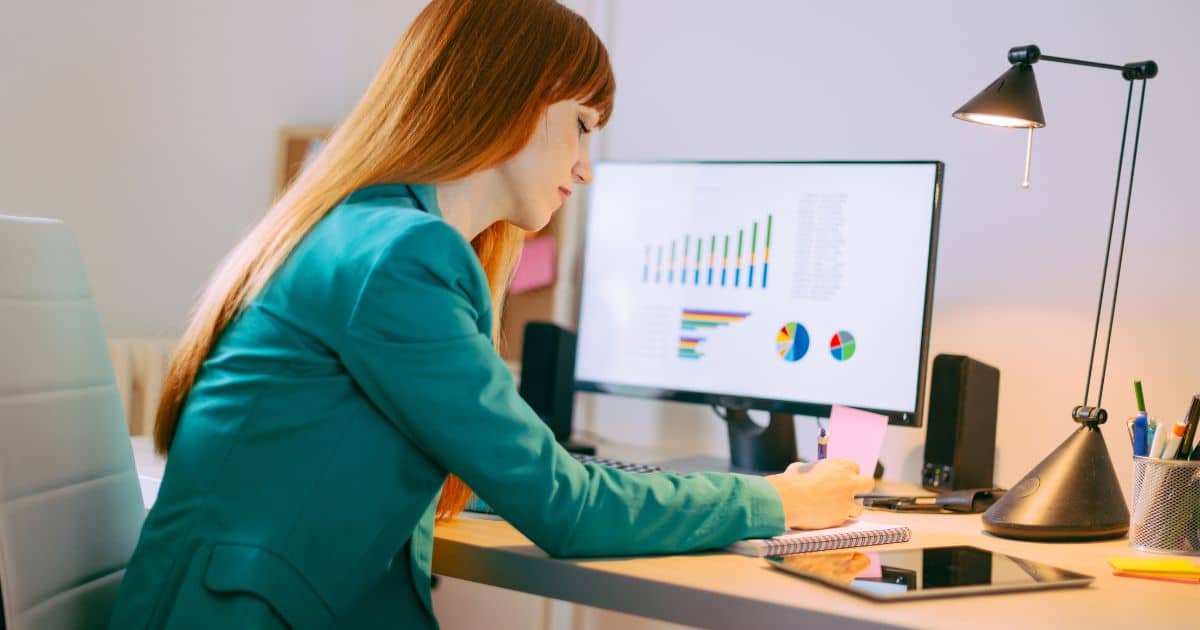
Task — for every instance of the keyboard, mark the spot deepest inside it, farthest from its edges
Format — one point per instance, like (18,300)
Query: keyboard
(476,504)
(615,463)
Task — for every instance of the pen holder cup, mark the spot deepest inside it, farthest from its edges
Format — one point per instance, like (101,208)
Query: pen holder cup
(1166,506)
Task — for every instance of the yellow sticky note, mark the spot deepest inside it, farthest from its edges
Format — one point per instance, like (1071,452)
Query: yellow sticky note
(1176,566)
(1165,577)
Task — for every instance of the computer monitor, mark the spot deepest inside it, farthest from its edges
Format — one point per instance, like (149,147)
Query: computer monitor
(783,286)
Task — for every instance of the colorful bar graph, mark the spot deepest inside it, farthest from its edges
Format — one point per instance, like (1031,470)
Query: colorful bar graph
(686,243)
(671,266)
(687,347)
(694,320)
(725,261)
(767,251)
(712,255)
(737,269)
(753,244)
(695,267)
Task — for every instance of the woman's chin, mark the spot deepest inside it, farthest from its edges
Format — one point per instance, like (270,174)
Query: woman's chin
(535,224)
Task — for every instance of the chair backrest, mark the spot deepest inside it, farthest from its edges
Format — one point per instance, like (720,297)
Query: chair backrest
(70,505)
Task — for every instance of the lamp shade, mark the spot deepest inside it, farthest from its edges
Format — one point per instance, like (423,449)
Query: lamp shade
(1010,101)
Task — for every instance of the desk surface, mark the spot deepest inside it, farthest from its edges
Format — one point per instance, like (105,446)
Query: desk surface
(724,590)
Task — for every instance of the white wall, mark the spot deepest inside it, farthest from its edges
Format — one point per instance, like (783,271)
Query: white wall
(1018,270)
(151,127)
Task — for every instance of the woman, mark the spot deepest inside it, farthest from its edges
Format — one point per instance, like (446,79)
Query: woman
(340,365)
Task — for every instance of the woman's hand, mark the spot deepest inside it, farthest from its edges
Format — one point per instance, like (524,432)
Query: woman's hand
(823,496)
(841,567)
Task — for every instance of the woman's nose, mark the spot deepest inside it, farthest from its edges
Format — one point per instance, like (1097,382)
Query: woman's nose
(582,171)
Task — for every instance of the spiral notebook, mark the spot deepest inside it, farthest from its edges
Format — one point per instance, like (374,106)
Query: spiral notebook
(856,534)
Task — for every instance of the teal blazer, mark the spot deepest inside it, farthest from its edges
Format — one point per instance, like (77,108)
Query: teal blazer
(311,451)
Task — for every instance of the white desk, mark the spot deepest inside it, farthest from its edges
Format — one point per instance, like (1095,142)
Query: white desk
(722,590)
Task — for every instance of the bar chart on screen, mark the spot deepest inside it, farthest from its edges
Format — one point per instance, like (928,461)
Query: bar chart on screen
(738,257)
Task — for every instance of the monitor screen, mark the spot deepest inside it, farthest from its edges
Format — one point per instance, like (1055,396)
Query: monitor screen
(789,287)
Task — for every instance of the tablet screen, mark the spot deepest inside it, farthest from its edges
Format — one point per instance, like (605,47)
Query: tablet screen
(929,572)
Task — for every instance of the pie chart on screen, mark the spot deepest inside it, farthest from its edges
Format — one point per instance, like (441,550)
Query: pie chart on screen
(791,342)
(842,346)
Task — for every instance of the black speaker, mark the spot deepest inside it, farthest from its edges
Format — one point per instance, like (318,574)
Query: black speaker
(548,378)
(960,436)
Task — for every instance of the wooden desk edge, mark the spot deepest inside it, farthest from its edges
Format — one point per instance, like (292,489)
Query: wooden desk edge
(525,568)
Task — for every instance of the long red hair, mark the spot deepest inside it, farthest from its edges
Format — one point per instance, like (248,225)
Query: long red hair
(461,92)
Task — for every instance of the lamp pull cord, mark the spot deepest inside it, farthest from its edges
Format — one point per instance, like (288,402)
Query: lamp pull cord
(1137,136)
(1028,154)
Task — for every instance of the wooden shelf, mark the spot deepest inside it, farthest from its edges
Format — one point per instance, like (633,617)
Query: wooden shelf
(295,143)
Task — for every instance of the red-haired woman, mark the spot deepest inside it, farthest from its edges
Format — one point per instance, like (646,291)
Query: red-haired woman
(339,383)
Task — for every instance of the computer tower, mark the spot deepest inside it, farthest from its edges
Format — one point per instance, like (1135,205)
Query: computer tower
(960,437)
(548,377)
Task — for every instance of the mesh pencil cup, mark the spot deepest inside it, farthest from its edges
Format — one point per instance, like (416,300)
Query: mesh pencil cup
(1166,506)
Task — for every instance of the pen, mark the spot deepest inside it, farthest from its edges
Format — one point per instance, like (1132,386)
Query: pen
(1172,444)
(1140,447)
(1161,433)
(822,444)
(1189,433)
(1141,400)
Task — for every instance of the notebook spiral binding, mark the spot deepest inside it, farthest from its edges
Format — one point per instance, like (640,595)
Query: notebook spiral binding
(840,540)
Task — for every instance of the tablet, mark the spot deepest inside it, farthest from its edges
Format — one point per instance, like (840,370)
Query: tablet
(904,574)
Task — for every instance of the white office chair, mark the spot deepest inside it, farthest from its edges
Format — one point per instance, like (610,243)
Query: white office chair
(70,505)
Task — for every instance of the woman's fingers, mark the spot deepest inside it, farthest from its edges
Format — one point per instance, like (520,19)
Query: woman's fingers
(841,464)
(795,468)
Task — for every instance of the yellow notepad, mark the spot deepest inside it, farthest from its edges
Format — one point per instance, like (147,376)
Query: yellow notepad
(1175,566)
(1167,577)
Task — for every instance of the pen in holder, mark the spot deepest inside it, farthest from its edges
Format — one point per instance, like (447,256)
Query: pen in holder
(1166,506)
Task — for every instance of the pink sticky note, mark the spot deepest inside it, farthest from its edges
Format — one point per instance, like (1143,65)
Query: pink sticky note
(535,269)
(856,435)
(875,570)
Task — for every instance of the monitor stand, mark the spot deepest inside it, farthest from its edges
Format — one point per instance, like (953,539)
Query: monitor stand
(753,449)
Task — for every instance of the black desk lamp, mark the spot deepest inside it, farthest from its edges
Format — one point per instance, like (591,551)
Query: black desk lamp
(1073,494)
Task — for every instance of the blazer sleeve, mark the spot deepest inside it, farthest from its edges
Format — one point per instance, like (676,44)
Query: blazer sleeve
(416,343)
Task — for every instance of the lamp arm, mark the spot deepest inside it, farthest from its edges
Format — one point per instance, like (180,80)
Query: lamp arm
(1133,70)
(1112,220)
(1137,70)
(1137,134)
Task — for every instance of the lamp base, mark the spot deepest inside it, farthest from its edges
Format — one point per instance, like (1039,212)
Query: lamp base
(1072,495)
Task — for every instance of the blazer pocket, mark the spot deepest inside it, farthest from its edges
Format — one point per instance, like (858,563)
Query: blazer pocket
(252,569)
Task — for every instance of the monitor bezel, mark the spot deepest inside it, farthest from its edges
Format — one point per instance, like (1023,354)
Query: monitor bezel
(734,401)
